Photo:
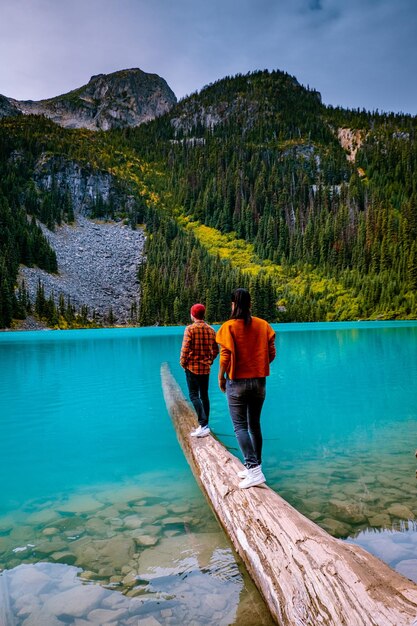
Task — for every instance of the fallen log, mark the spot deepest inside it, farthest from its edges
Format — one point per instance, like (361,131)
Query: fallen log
(306,576)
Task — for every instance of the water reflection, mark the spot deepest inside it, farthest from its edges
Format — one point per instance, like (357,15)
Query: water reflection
(50,594)
(398,548)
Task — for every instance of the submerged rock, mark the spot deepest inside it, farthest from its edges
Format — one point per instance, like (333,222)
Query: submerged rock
(27,604)
(111,554)
(75,602)
(336,528)
(401,511)
(148,621)
(172,551)
(48,547)
(6,524)
(121,495)
(71,524)
(381,520)
(79,504)
(130,579)
(175,521)
(349,512)
(41,616)
(178,508)
(145,540)
(132,522)
(50,531)
(153,513)
(106,616)
(30,579)
(63,557)
(96,526)
(45,516)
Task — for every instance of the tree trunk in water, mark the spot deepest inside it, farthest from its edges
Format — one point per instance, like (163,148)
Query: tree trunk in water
(306,576)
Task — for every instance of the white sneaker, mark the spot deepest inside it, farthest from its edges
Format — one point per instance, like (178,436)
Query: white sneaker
(201,431)
(244,472)
(253,478)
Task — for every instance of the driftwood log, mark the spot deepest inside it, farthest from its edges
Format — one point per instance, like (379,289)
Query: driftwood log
(306,576)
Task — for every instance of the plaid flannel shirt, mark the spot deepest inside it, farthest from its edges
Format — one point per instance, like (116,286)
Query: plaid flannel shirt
(199,348)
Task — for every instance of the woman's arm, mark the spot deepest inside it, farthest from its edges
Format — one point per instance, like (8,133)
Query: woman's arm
(272,351)
(225,355)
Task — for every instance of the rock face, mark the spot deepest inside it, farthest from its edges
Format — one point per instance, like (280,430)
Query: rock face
(117,100)
(351,141)
(86,186)
(7,108)
(97,261)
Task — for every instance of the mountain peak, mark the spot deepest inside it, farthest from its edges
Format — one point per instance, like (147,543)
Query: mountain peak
(123,98)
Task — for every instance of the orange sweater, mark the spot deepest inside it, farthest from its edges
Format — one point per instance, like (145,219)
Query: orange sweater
(246,351)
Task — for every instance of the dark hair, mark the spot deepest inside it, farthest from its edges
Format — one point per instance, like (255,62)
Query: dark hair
(241,311)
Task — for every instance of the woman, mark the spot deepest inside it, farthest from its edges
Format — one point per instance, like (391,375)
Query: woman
(247,347)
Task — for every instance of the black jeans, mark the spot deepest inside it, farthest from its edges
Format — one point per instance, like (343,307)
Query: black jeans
(198,390)
(245,397)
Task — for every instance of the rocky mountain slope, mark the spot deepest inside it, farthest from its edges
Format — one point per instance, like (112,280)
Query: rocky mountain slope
(97,260)
(97,263)
(125,98)
(7,108)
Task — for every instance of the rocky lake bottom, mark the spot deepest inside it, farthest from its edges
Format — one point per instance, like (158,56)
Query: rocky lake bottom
(122,556)
(345,498)
(134,556)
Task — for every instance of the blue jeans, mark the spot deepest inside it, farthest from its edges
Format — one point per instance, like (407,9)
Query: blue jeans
(245,397)
(198,391)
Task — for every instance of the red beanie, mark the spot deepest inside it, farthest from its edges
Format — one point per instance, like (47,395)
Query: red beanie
(198,311)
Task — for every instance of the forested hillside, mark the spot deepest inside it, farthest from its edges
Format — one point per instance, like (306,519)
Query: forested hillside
(244,183)
(260,156)
(27,141)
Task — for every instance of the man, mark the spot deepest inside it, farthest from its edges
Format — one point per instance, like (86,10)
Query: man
(199,349)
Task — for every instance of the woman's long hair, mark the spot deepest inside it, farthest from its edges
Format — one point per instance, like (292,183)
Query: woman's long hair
(241,310)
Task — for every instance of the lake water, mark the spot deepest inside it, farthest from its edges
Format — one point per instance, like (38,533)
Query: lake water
(98,503)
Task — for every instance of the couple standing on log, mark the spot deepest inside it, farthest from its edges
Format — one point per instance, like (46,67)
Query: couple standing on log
(247,347)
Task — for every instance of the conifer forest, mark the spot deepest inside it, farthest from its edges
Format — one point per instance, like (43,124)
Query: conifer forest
(250,182)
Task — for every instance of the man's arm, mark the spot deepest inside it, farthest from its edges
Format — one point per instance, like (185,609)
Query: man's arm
(214,349)
(185,348)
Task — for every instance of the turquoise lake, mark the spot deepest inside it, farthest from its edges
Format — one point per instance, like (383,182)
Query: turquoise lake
(96,496)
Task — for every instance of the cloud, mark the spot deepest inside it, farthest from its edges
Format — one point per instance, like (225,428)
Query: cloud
(315,5)
(356,52)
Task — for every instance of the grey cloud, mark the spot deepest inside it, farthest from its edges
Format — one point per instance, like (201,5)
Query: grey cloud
(356,52)
(315,5)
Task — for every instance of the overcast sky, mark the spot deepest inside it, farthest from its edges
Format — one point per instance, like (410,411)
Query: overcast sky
(357,53)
